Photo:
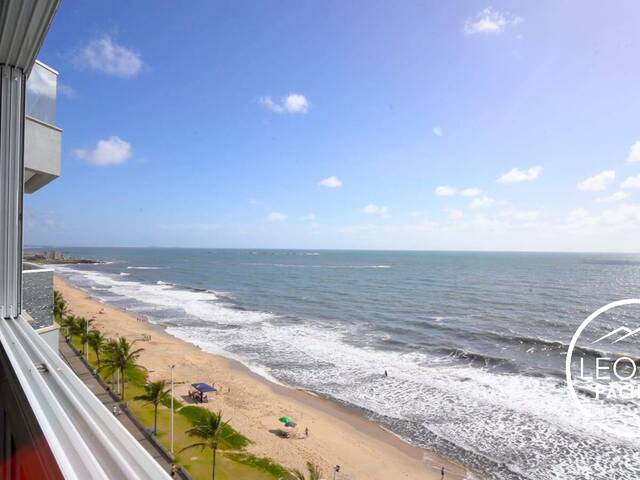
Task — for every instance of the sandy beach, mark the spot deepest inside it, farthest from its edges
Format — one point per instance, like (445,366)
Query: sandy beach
(337,435)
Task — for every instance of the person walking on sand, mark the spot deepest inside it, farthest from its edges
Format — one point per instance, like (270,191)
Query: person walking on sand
(306,432)
(442,473)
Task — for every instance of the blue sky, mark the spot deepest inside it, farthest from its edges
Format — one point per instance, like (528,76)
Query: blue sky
(359,124)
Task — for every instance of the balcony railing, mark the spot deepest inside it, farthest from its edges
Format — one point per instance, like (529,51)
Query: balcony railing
(42,137)
(42,91)
(85,439)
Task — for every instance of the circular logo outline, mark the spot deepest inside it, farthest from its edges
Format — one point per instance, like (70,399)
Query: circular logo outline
(572,344)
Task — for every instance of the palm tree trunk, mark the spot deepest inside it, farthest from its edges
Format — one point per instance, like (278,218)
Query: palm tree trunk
(155,420)
(213,472)
(122,385)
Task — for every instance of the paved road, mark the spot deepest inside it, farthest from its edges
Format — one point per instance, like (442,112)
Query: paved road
(81,370)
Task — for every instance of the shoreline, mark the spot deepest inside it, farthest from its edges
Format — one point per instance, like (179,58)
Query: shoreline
(338,434)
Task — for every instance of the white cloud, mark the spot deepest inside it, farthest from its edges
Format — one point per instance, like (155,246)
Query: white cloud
(631,182)
(372,209)
(106,56)
(111,151)
(624,215)
(490,21)
(520,215)
(578,214)
(437,131)
(277,217)
(482,202)
(454,213)
(634,153)
(597,182)
(515,175)
(66,90)
(445,191)
(471,192)
(330,182)
(292,103)
(614,197)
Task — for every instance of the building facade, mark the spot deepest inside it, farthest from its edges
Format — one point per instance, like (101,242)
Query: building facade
(51,424)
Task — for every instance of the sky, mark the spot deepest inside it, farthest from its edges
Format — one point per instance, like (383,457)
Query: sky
(458,125)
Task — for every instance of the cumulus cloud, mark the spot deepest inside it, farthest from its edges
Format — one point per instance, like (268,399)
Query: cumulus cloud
(277,217)
(634,153)
(330,182)
(454,213)
(631,182)
(482,202)
(292,103)
(106,56)
(437,131)
(614,197)
(515,175)
(597,182)
(471,192)
(445,191)
(490,21)
(372,209)
(110,151)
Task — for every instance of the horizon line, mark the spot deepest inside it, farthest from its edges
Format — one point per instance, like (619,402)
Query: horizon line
(339,249)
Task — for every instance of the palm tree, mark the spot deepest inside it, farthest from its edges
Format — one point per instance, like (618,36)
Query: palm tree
(210,428)
(60,307)
(120,357)
(312,468)
(82,330)
(70,324)
(155,393)
(97,341)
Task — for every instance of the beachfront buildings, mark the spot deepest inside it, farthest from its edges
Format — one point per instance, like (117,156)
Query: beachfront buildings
(51,425)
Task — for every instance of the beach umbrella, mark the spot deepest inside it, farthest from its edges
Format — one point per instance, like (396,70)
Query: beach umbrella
(285,420)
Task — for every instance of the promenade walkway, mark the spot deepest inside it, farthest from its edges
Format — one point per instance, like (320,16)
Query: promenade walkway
(79,367)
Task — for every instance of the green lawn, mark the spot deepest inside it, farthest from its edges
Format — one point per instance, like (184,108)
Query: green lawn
(232,465)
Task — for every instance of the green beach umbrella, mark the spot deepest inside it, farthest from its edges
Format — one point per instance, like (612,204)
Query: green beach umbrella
(285,419)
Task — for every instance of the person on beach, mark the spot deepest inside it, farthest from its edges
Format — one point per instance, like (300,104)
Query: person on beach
(442,473)
(306,431)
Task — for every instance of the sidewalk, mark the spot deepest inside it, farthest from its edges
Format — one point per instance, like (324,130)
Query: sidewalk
(81,370)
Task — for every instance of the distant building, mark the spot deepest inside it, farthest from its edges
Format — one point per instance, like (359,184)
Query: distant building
(55,255)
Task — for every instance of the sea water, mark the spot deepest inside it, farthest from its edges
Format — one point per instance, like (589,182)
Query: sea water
(474,344)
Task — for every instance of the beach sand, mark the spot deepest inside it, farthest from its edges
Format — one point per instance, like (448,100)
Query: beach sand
(337,435)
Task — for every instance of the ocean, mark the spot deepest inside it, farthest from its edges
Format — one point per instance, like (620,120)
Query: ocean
(474,343)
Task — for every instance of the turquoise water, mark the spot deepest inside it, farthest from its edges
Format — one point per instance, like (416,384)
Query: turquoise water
(474,343)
